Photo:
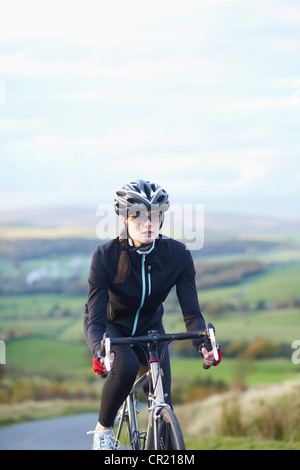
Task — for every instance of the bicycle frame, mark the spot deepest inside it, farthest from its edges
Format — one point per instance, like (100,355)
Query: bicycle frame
(129,407)
(156,401)
(156,396)
(159,411)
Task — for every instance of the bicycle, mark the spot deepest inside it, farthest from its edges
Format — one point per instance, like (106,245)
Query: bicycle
(163,430)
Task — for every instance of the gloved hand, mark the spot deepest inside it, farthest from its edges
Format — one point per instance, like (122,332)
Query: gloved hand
(206,345)
(99,366)
(208,356)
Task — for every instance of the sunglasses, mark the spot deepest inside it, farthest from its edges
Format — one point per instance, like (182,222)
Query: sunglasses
(142,217)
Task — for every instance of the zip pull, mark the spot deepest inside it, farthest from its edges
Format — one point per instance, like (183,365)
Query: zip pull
(149,280)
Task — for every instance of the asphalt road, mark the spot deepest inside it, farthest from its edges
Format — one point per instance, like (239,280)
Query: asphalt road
(66,433)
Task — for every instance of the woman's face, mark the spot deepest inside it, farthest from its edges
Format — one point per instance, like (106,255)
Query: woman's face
(143,227)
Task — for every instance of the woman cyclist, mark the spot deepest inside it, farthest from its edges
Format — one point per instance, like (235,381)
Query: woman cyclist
(130,277)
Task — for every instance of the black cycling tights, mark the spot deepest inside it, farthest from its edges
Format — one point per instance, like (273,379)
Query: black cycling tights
(123,374)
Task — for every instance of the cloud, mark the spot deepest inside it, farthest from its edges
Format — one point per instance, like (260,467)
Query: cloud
(20,126)
(202,96)
(254,104)
(95,20)
(250,170)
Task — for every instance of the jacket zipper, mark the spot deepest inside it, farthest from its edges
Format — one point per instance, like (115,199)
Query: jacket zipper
(149,280)
(143,287)
(143,296)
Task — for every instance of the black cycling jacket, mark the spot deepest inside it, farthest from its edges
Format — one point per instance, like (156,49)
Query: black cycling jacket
(136,306)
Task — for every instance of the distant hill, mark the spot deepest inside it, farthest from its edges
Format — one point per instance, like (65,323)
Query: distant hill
(80,220)
(243,225)
(49,217)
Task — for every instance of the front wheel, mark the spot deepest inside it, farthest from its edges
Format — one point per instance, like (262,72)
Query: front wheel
(168,432)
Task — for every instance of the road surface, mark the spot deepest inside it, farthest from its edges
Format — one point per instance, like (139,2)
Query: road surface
(65,433)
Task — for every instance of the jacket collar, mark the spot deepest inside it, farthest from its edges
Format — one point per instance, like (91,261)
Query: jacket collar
(135,253)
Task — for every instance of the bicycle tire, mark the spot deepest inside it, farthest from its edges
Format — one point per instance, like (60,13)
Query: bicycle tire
(169,435)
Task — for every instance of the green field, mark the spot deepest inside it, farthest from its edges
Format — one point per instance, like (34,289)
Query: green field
(24,307)
(48,357)
(53,344)
(250,372)
(46,329)
(282,326)
(275,284)
(66,360)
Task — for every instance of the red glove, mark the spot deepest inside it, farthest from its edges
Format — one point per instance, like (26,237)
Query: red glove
(98,367)
(216,363)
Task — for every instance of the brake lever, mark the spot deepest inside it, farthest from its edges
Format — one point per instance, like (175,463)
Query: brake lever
(210,343)
(107,354)
(211,334)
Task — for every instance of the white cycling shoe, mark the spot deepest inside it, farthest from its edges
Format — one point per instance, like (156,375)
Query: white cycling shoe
(104,440)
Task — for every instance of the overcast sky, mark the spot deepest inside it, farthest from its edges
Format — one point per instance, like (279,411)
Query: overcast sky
(202,96)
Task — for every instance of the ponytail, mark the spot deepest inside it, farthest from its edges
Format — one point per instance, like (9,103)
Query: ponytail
(124,265)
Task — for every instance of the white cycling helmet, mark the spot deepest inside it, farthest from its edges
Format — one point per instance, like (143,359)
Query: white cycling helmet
(141,192)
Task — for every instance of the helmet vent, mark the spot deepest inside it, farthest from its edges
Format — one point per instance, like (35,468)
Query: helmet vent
(147,191)
(131,200)
(136,187)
